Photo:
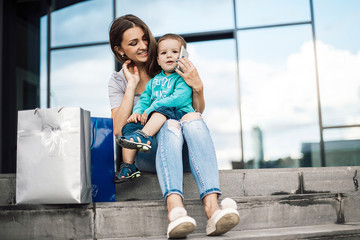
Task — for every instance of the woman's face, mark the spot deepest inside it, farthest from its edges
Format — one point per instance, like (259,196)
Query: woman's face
(134,45)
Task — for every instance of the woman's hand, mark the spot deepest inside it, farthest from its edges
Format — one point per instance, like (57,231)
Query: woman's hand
(131,73)
(191,76)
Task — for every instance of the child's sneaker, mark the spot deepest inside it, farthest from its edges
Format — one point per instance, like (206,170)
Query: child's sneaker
(142,146)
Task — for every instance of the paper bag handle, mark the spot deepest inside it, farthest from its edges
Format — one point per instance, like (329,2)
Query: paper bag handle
(37,109)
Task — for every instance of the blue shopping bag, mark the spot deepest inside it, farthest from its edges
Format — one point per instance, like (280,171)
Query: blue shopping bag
(102,160)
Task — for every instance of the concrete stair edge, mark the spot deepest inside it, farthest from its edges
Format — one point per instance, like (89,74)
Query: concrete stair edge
(149,218)
(233,183)
(329,231)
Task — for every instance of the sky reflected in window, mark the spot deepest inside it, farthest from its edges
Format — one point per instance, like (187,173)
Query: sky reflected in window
(79,77)
(85,22)
(264,12)
(278,90)
(338,49)
(184,16)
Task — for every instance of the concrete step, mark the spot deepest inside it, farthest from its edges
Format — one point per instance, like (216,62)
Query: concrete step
(149,218)
(252,182)
(266,198)
(233,183)
(349,231)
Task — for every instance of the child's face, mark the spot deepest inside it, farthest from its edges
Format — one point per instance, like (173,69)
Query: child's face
(168,53)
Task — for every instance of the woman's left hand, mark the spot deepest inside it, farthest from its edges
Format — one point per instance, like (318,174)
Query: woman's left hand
(190,74)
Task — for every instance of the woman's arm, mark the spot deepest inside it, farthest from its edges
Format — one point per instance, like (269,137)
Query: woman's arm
(192,78)
(122,113)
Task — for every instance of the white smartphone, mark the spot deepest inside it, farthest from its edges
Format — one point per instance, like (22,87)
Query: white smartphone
(183,53)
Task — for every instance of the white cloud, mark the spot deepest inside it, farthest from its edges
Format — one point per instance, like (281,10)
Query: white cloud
(339,75)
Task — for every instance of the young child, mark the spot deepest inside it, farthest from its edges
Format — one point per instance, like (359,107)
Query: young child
(166,96)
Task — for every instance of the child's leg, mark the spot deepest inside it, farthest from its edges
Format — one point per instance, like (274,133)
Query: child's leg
(128,155)
(154,124)
(141,140)
(127,167)
(191,116)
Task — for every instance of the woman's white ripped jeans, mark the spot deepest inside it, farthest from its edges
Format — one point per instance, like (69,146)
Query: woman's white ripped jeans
(174,156)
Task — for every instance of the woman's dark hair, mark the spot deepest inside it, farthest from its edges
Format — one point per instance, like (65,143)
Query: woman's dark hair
(117,29)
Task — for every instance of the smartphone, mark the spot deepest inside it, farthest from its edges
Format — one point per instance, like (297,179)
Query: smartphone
(183,53)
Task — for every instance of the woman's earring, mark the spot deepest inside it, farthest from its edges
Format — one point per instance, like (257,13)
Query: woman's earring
(123,55)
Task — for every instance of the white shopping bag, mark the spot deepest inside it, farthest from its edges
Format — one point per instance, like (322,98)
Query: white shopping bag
(53,156)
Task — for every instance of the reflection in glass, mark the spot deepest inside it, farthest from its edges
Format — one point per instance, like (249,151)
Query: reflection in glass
(278,95)
(264,12)
(338,34)
(216,64)
(79,77)
(187,16)
(85,22)
(342,146)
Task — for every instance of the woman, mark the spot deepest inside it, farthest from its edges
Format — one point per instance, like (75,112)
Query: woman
(133,45)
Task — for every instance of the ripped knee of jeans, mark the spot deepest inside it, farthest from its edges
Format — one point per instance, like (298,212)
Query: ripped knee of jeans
(174,126)
(191,116)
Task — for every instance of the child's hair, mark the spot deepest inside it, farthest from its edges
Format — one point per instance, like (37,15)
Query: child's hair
(173,36)
(117,29)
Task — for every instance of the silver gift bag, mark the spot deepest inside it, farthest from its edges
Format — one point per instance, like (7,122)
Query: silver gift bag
(53,156)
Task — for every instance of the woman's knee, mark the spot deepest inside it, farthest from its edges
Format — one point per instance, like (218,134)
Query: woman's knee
(172,126)
(191,116)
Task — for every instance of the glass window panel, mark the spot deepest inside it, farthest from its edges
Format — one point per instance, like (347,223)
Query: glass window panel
(338,34)
(278,95)
(342,146)
(264,12)
(79,77)
(187,16)
(216,64)
(84,22)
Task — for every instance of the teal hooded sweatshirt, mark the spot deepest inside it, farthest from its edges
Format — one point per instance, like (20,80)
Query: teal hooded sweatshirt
(168,91)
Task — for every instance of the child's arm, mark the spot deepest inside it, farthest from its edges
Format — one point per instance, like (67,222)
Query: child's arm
(179,98)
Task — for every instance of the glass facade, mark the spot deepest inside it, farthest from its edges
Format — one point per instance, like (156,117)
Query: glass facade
(278,93)
(282,91)
(81,23)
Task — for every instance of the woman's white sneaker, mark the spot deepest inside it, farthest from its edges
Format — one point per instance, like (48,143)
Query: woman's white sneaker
(180,223)
(223,220)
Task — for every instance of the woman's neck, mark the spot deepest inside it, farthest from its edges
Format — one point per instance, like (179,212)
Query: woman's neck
(144,77)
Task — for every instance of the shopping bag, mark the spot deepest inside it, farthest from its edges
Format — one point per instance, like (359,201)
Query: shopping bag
(102,160)
(53,156)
